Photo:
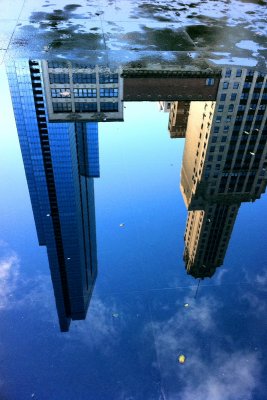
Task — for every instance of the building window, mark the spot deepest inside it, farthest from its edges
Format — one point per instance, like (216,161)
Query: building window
(59,78)
(212,149)
(238,72)
(244,96)
(223,138)
(60,92)
(256,96)
(228,73)
(84,78)
(223,97)
(85,107)
(216,129)
(233,97)
(108,78)
(57,64)
(220,108)
(235,85)
(226,128)
(108,106)
(219,158)
(231,108)
(84,92)
(225,85)
(221,149)
(78,65)
(108,92)
(210,81)
(214,139)
(61,107)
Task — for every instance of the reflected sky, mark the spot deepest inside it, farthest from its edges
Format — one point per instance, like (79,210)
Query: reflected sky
(137,323)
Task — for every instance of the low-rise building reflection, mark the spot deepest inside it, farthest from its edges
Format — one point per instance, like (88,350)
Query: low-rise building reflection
(82,91)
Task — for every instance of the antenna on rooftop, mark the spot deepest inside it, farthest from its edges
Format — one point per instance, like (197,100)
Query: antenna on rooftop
(197,288)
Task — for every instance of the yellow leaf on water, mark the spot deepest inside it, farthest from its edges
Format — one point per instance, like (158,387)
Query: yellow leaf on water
(181,359)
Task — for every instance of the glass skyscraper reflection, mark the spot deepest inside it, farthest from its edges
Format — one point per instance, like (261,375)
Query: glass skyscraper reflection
(60,159)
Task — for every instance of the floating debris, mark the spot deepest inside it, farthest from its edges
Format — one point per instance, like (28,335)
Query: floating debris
(181,358)
(115,315)
(186,305)
(122,225)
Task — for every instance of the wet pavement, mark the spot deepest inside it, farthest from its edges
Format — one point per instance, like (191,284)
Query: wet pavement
(62,29)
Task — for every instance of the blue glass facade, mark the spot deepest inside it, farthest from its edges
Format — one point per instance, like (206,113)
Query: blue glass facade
(60,159)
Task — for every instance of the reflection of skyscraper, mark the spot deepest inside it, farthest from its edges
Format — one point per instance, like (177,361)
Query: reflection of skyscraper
(60,162)
(224,164)
(233,155)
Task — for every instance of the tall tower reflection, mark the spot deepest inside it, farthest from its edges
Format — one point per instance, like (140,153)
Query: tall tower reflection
(61,160)
(224,164)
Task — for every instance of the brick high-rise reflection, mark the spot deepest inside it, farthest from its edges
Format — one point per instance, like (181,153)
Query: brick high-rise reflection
(224,164)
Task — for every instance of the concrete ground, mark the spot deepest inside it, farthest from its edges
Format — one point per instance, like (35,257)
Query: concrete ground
(226,32)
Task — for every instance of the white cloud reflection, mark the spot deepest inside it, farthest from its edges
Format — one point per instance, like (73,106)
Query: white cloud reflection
(99,327)
(9,270)
(216,367)
(261,279)
(17,290)
(229,376)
